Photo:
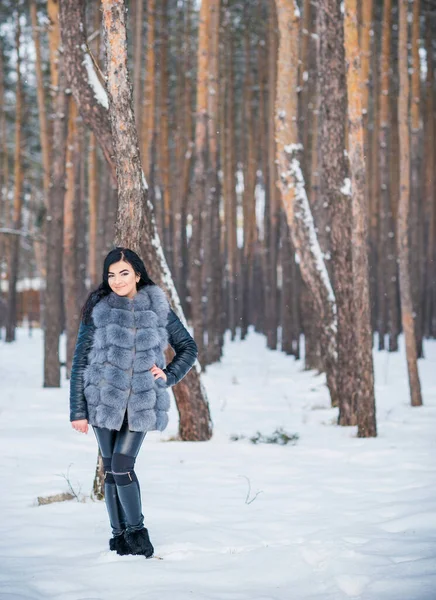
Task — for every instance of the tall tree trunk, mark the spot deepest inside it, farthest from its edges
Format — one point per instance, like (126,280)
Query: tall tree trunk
(385,246)
(366,420)
(415,183)
(96,235)
(71,259)
(214,279)
(137,67)
(164,141)
(4,180)
(11,308)
(249,214)
(273,189)
(404,208)
(335,190)
(228,159)
(42,115)
(429,306)
(199,183)
(294,196)
(136,227)
(55,218)
(149,91)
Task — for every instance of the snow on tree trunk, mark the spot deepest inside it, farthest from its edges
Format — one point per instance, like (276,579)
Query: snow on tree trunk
(366,420)
(294,196)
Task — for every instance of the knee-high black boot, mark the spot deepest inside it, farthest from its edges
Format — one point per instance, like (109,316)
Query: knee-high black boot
(129,494)
(116,518)
(136,534)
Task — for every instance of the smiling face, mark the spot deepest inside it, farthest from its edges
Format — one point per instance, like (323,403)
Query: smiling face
(122,279)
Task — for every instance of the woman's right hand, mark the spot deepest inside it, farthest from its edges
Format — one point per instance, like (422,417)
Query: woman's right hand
(81,425)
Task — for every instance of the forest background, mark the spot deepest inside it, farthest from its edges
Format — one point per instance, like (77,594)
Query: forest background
(273,163)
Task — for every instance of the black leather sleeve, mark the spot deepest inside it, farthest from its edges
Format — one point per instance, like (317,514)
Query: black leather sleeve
(184,347)
(78,406)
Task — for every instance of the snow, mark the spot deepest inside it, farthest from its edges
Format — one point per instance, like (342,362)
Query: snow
(338,517)
(100,93)
(346,188)
(305,214)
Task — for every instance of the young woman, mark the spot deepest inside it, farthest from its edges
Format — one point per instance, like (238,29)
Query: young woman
(119,383)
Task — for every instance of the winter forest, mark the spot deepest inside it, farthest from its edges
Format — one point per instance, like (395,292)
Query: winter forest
(273,163)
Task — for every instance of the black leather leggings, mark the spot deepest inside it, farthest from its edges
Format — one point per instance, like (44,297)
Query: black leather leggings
(119,450)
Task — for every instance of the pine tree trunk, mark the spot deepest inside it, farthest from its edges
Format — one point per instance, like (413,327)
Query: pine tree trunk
(95,232)
(199,183)
(55,218)
(71,263)
(334,186)
(135,223)
(214,267)
(4,183)
(148,108)
(11,307)
(404,209)
(164,141)
(228,162)
(386,246)
(42,115)
(273,189)
(415,183)
(429,189)
(294,196)
(137,67)
(366,419)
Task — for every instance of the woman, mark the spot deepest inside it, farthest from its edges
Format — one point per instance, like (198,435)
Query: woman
(119,383)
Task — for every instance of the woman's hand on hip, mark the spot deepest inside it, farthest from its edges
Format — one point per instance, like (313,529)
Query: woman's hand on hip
(158,373)
(80,425)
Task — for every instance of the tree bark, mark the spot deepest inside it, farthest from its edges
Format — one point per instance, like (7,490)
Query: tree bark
(404,209)
(366,421)
(54,229)
(135,222)
(273,189)
(11,307)
(42,115)
(294,196)
(71,261)
(415,183)
(334,186)
(199,183)
(214,266)
(137,67)
(429,305)
(84,77)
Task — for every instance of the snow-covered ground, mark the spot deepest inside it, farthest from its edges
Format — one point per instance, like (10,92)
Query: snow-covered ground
(335,516)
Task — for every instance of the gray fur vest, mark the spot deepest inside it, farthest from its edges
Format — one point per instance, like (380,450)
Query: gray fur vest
(130,336)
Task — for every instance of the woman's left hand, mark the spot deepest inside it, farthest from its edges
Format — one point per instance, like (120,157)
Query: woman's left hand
(158,372)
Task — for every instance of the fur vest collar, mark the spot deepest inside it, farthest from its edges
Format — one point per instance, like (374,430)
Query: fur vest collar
(130,337)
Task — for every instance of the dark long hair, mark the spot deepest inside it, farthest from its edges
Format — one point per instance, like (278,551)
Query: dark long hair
(104,289)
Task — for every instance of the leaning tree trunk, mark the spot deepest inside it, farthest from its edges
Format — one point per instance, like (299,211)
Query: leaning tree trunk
(404,209)
(296,205)
(334,186)
(92,100)
(366,421)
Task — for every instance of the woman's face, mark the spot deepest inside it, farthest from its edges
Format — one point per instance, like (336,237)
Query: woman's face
(122,279)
